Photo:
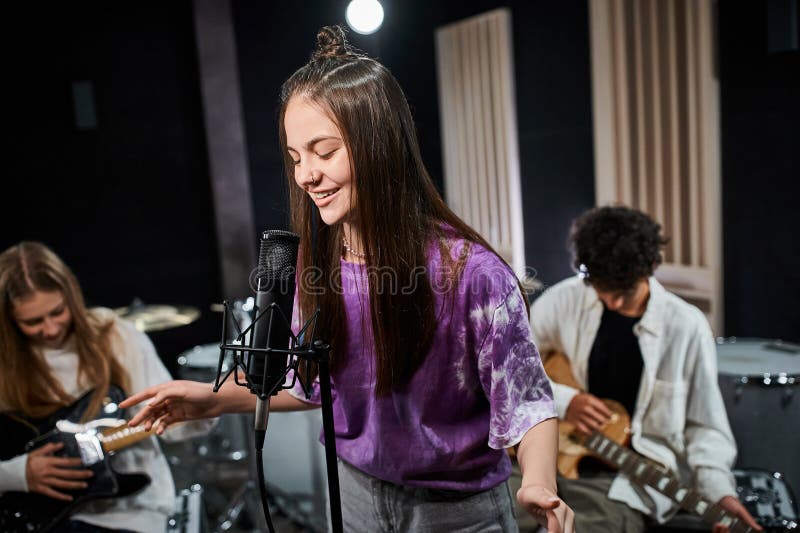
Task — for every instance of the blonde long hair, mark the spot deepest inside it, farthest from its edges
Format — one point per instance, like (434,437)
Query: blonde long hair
(27,385)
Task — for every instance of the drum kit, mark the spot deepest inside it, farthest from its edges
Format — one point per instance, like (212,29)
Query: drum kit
(218,467)
(760,384)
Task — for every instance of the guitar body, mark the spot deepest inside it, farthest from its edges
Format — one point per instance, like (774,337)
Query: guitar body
(31,512)
(571,450)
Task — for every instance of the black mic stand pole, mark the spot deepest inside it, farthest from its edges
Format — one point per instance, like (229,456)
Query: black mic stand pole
(320,353)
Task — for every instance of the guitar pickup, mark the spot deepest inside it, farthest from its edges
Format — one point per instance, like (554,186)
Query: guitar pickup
(90,448)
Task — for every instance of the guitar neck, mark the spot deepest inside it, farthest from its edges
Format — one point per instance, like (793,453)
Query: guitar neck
(637,468)
(116,438)
(642,471)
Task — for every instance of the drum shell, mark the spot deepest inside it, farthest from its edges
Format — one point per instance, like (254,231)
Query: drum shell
(200,363)
(764,414)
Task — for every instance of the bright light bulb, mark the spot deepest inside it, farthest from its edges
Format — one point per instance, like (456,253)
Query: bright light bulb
(364,16)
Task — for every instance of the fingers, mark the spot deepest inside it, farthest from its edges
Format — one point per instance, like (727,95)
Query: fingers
(150,412)
(553,523)
(70,473)
(52,479)
(535,496)
(600,406)
(735,507)
(144,415)
(583,428)
(548,509)
(569,522)
(139,397)
(749,520)
(64,462)
(561,519)
(596,415)
(588,413)
(165,421)
(47,491)
(47,449)
(68,485)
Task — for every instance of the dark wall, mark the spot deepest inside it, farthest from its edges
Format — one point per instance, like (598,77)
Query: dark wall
(553,99)
(126,204)
(551,45)
(760,168)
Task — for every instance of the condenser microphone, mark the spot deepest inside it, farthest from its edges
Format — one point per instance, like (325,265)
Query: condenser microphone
(275,284)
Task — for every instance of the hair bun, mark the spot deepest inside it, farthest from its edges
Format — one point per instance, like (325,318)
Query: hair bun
(331,43)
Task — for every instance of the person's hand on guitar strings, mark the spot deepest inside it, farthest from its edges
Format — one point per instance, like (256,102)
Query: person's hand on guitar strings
(547,508)
(735,508)
(172,402)
(48,475)
(587,413)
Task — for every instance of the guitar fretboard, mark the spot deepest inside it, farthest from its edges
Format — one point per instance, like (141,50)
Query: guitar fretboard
(118,437)
(643,471)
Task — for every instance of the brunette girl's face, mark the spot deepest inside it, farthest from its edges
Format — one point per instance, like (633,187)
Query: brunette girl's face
(321,159)
(44,318)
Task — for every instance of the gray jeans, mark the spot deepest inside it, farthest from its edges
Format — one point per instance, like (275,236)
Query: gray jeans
(594,512)
(371,505)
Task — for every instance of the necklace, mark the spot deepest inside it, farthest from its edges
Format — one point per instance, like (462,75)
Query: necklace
(350,250)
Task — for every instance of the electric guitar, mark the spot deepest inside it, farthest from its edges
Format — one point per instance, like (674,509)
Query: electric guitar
(610,445)
(93,442)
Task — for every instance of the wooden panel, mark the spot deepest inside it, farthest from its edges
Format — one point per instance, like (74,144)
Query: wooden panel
(656,131)
(479,129)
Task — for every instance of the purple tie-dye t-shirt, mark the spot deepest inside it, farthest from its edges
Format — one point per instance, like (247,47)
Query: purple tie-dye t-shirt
(480,388)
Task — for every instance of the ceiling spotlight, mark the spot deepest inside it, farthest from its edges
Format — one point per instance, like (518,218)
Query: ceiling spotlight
(364,16)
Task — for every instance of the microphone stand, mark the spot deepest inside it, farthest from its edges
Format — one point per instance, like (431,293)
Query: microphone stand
(317,351)
(321,352)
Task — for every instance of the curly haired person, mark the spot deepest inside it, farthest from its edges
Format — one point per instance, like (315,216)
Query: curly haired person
(629,339)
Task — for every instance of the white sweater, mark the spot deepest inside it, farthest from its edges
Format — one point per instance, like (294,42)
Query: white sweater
(147,510)
(680,418)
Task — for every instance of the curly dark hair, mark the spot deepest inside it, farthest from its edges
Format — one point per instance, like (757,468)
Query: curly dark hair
(614,247)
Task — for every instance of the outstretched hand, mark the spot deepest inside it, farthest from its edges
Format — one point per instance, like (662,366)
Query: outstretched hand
(171,402)
(547,508)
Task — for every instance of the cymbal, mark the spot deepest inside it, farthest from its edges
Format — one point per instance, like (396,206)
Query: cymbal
(156,317)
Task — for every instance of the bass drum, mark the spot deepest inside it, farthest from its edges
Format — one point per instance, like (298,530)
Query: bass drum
(760,384)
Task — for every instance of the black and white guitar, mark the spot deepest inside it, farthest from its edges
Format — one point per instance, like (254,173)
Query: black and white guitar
(93,442)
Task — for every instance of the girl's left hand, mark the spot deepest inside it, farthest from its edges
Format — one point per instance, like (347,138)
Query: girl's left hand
(547,508)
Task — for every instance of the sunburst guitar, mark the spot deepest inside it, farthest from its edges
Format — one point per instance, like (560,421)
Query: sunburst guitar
(610,445)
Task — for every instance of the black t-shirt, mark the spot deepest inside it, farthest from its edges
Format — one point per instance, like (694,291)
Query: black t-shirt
(615,362)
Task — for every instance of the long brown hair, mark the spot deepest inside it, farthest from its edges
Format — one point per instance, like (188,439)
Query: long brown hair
(398,209)
(26,384)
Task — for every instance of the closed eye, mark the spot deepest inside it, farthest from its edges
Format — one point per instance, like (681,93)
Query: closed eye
(327,155)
